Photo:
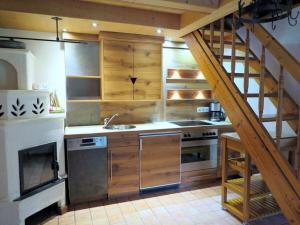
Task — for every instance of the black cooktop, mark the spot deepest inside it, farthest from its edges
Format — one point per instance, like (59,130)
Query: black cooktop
(188,123)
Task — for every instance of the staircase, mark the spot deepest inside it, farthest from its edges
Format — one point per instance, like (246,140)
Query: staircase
(231,69)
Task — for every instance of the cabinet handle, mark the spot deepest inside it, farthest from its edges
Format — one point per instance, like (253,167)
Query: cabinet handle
(141,144)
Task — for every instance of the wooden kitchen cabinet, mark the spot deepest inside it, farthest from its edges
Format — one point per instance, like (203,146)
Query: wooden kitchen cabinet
(122,59)
(160,160)
(147,69)
(123,165)
(117,70)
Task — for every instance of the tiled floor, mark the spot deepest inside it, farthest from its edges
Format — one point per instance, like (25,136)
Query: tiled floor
(199,207)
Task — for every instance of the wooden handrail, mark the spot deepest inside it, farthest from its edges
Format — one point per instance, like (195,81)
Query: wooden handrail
(279,108)
(233,47)
(222,23)
(261,101)
(288,62)
(298,147)
(246,66)
(254,136)
(211,35)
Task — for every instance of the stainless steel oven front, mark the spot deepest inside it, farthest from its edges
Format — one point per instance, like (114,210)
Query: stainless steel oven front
(199,150)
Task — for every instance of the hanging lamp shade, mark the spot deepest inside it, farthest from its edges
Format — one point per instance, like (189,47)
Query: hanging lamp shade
(263,11)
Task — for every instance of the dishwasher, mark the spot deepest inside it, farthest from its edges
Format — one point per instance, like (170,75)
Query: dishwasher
(87,169)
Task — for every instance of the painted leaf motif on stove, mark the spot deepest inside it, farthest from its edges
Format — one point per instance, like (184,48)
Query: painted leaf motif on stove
(38,107)
(18,110)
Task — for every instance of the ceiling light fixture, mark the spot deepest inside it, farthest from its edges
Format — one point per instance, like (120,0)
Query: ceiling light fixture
(158,30)
(94,24)
(261,11)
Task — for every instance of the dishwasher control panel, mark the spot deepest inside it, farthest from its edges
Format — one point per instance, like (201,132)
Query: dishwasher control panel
(86,143)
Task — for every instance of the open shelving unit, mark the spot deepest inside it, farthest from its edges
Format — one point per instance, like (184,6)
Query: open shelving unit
(83,89)
(83,77)
(252,199)
(180,86)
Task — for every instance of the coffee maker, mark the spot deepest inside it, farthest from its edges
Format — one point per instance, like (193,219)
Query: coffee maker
(216,112)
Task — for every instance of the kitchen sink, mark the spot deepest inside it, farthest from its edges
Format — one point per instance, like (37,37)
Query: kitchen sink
(188,123)
(119,127)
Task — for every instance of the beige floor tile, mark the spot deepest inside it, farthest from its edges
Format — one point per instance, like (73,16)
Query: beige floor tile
(103,221)
(127,208)
(133,218)
(188,196)
(98,212)
(140,205)
(197,207)
(153,202)
(116,218)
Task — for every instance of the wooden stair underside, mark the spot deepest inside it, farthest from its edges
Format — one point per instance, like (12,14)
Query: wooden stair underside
(274,168)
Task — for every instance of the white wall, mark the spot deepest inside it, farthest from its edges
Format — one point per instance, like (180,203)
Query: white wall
(288,37)
(49,60)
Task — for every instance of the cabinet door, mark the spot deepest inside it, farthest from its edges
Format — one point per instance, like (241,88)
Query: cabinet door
(160,160)
(147,69)
(117,69)
(124,174)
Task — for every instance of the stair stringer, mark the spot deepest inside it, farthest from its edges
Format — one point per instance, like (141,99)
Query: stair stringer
(274,168)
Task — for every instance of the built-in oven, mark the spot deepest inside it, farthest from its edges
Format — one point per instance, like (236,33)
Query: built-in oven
(199,150)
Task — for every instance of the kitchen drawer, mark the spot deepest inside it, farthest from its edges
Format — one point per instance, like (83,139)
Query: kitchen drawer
(119,140)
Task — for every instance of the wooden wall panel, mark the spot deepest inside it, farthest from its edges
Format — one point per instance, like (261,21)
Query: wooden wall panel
(132,111)
(185,110)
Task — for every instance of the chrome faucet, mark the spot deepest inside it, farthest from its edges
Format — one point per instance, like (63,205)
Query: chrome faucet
(108,120)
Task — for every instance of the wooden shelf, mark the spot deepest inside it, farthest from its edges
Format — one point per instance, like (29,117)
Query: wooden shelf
(84,100)
(182,73)
(194,94)
(83,77)
(185,80)
(237,164)
(258,207)
(202,100)
(137,100)
(258,186)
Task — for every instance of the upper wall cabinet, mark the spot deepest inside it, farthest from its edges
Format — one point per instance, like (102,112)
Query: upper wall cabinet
(131,57)
(117,70)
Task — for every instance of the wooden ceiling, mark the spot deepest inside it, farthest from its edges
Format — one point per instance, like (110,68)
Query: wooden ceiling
(171,6)
(175,17)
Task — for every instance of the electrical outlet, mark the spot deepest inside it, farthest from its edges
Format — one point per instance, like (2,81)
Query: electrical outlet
(202,109)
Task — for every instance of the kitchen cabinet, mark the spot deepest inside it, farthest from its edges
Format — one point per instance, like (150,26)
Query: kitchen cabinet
(159,159)
(125,59)
(123,165)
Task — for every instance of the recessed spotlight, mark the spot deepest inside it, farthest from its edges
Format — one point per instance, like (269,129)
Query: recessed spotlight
(94,24)
(64,30)
(158,30)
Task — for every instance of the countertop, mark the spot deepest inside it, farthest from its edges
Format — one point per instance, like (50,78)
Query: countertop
(79,131)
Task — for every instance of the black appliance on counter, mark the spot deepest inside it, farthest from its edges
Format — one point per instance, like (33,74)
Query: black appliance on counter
(216,112)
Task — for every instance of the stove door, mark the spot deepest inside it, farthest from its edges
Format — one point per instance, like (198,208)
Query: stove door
(199,157)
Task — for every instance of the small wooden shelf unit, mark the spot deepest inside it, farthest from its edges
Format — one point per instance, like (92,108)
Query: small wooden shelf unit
(255,201)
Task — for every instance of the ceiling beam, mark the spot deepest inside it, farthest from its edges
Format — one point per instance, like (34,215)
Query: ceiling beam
(94,11)
(192,5)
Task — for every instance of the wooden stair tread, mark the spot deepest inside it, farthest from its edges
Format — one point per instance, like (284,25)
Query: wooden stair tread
(240,75)
(258,186)
(185,80)
(237,58)
(256,95)
(259,207)
(285,117)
